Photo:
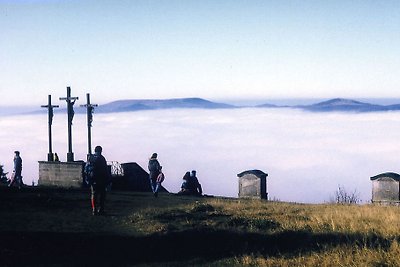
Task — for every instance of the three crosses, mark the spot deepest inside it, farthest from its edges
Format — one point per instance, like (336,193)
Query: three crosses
(70,109)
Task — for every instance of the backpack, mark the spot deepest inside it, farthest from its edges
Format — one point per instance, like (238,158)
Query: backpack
(89,170)
(160,178)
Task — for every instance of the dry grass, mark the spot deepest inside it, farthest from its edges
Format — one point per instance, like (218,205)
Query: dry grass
(197,231)
(339,256)
(369,233)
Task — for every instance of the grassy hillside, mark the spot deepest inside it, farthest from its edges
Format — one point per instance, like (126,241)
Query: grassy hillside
(54,227)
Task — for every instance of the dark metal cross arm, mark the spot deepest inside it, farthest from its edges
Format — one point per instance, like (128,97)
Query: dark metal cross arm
(69,98)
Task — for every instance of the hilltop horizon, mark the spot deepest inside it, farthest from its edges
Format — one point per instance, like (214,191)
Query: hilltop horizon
(295,100)
(309,104)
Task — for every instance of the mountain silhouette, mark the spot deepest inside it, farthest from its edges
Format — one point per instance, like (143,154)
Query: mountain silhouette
(339,105)
(130,105)
(342,104)
(152,104)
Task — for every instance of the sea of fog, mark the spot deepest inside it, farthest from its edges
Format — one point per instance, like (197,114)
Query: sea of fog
(306,155)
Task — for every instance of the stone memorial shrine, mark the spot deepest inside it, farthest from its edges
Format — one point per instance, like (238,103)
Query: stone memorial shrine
(253,184)
(385,188)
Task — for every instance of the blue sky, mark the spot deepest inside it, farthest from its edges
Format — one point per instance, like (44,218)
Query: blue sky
(210,49)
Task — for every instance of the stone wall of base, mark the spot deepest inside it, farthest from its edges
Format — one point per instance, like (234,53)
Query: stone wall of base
(62,174)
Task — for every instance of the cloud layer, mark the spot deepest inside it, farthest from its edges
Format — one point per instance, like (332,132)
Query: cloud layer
(307,155)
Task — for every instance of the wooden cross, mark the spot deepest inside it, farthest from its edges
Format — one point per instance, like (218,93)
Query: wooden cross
(50,107)
(89,111)
(70,109)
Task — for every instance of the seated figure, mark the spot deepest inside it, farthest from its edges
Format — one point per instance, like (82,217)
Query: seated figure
(191,185)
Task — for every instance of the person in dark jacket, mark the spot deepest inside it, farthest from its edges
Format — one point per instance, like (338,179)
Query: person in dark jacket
(16,176)
(195,186)
(185,187)
(100,180)
(154,171)
(190,185)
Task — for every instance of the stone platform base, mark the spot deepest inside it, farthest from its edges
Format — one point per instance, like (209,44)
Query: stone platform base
(62,174)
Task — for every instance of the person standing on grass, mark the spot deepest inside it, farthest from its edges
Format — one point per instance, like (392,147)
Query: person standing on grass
(99,181)
(16,176)
(154,170)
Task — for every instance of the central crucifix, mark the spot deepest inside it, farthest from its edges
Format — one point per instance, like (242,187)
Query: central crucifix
(70,109)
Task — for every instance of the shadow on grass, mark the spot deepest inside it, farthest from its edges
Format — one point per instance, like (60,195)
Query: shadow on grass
(204,245)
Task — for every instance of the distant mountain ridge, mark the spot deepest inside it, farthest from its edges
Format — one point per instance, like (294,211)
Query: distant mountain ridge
(335,104)
(153,104)
(130,105)
(341,105)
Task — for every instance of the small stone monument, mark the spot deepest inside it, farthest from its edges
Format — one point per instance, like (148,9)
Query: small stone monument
(385,188)
(253,184)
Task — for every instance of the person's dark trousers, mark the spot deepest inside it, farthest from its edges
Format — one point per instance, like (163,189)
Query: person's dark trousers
(98,199)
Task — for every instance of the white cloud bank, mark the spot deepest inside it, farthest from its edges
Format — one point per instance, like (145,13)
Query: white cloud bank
(307,155)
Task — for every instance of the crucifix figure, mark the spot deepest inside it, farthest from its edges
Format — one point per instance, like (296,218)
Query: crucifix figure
(50,107)
(89,112)
(70,109)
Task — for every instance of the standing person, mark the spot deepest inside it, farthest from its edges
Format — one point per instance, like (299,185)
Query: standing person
(154,171)
(17,171)
(100,178)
